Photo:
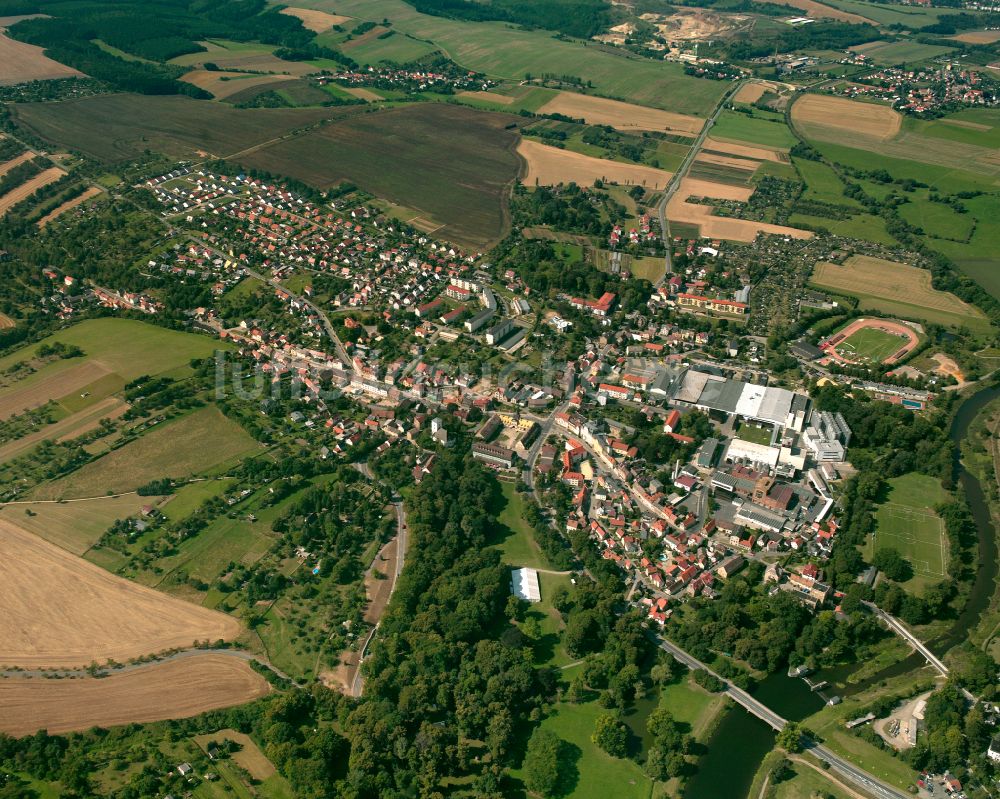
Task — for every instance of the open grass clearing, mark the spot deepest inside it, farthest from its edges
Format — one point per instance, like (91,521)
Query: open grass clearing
(248,757)
(902,52)
(191,445)
(173,690)
(753,130)
(75,526)
(60,610)
(938,220)
(517,545)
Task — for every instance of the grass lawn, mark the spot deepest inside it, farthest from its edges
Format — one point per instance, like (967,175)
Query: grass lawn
(517,540)
(179,448)
(756,130)
(822,183)
(592,774)
(869,345)
(758,435)
(549,649)
(907,523)
(938,220)
(190,497)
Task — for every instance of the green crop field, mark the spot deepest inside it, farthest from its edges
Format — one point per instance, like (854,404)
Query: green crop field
(755,130)
(904,52)
(452,163)
(907,522)
(859,226)
(977,126)
(179,448)
(869,346)
(117,127)
(504,51)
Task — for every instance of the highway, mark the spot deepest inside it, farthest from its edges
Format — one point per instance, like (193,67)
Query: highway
(681,173)
(850,772)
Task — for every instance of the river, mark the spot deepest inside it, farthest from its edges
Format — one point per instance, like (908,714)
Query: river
(741,741)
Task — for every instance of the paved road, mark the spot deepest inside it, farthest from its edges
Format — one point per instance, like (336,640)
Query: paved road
(901,630)
(855,775)
(681,173)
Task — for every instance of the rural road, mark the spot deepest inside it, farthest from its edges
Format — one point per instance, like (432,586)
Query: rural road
(681,173)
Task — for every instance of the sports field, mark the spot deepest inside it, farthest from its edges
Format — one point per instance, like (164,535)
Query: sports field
(907,523)
(863,341)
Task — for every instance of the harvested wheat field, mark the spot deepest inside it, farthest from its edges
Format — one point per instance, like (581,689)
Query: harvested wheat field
(744,150)
(174,690)
(315,21)
(864,275)
(26,189)
(55,213)
(716,227)
(363,94)
(17,160)
(831,118)
(549,166)
(6,322)
(748,164)
(823,11)
(978,37)
(750,93)
(36,390)
(490,97)
(20,62)
(624,116)
(225,84)
(59,610)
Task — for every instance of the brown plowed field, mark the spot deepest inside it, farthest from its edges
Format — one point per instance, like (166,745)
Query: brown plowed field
(315,21)
(25,190)
(20,62)
(59,610)
(624,116)
(55,213)
(550,166)
(173,690)
(17,160)
(831,118)
(225,84)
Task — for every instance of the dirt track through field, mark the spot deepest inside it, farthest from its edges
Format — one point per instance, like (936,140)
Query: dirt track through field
(173,690)
(624,116)
(25,190)
(550,166)
(59,610)
(55,213)
(834,117)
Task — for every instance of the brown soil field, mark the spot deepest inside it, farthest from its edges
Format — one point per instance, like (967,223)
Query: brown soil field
(237,81)
(20,62)
(946,365)
(714,227)
(75,526)
(38,389)
(728,160)
(249,757)
(978,37)
(59,610)
(550,166)
(17,160)
(315,21)
(26,189)
(173,690)
(55,213)
(744,150)
(624,116)
(363,94)
(72,426)
(262,60)
(837,117)
(875,277)
(490,97)
(6,322)
(823,11)
(750,93)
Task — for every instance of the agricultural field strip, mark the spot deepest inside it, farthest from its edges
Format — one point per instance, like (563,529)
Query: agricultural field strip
(551,165)
(26,189)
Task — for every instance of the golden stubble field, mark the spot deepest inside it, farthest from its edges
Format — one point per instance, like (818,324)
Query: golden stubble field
(315,21)
(173,690)
(549,166)
(59,610)
(21,62)
(624,116)
(832,118)
(26,189)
